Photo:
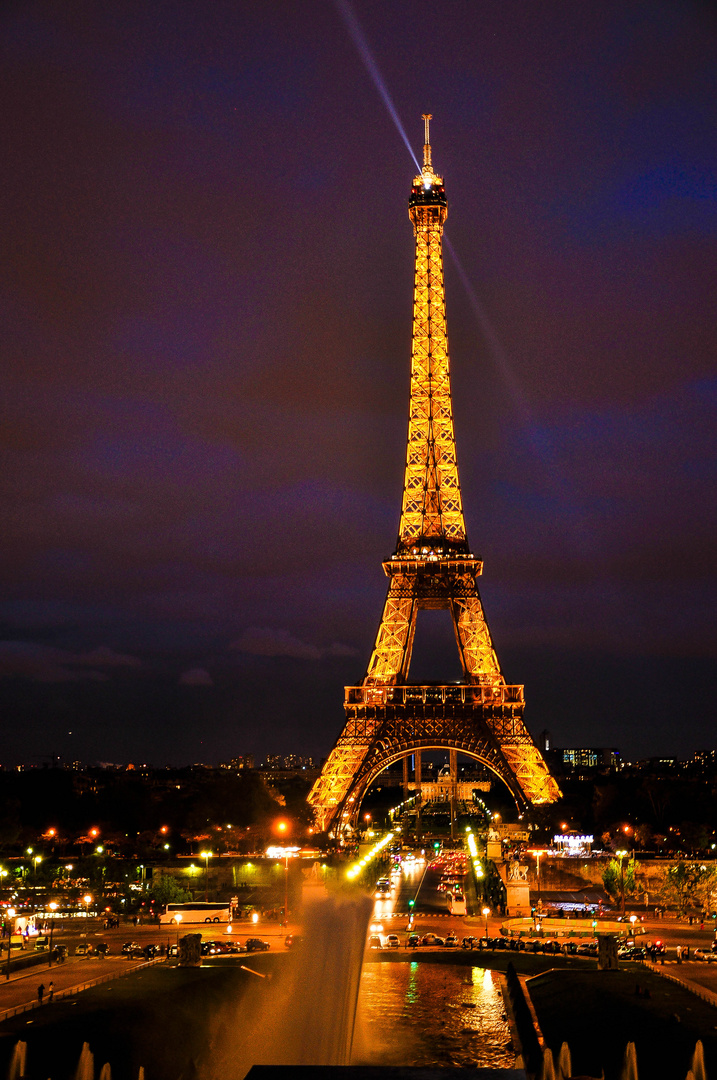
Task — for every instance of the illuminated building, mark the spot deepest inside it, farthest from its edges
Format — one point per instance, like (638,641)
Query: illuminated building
(387,718)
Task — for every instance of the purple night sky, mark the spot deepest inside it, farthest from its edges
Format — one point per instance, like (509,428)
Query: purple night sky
(206,298)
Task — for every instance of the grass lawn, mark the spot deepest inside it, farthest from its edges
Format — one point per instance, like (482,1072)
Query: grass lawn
(598,1012)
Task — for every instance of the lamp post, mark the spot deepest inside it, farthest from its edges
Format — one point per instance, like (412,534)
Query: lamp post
(206,855)
(621,856)
(53,906)
(11,916)
(486,913)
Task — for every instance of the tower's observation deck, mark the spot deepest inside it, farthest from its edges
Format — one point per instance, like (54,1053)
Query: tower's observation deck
(432,567)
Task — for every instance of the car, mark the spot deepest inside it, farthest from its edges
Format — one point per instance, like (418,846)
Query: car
(83,949)
(293,941)
(433,939)
(707,956)
(59,953)
(255,944)
(469,943)
(584,948)
(41,942)
(129,946)
(392,941)
(569,947)
(173,950)
(374,942)
(413,941)
(214,948)
(552,945)
(150,951)
(451,941)
(102,948)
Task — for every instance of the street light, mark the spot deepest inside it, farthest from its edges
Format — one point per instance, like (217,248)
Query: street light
(53,906)
(486,912)
(206,855)
(621,856)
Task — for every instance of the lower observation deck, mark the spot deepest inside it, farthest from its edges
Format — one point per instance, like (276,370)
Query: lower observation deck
(451,694)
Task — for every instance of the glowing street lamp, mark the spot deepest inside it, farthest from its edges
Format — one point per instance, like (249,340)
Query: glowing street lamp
(486,913)
(53,906)
(621,856)
(206,855)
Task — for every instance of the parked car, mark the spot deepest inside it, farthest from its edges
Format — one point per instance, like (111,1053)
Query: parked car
(83,949)
(432,939)
(413,941)
(129,946)
(451,941)
(41,942)
(255,944)
(59,953)
(392,941)
(374,942)
(150,951)
(705,955)
(570,947)
(102,948)
(469,943)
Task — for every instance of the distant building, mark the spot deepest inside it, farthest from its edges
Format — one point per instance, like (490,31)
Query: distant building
(239,763)
(289,762)
(581,758)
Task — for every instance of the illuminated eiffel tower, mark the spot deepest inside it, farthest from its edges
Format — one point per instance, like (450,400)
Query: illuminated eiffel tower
(388,718)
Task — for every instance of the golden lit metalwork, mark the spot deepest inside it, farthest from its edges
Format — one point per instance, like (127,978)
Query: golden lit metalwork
(433,567)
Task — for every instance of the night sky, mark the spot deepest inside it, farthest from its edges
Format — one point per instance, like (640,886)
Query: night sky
(206,306)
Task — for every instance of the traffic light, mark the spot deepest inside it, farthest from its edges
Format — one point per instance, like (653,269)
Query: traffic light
(436,845)
(411,903)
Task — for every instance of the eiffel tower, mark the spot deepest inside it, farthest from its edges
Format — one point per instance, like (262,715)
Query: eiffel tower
(388,718)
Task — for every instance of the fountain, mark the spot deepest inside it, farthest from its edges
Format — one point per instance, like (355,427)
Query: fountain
(86,1065)
(18,1062)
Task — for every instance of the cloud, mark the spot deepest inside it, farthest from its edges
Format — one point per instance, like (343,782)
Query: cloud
(102,657)
(47,664)
(196,676)
(263,641)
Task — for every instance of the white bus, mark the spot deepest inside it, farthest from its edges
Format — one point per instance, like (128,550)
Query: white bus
(456,903)
(196,912)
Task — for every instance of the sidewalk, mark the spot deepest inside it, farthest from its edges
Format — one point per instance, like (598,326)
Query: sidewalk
(19,993)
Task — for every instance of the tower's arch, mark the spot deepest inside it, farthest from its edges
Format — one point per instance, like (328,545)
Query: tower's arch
(387,755)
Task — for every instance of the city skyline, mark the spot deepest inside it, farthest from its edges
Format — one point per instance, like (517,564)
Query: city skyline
(208,302)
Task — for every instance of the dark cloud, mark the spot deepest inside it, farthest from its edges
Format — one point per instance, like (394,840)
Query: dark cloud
(206,303)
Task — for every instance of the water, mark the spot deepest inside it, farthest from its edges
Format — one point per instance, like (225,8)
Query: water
(431,1015)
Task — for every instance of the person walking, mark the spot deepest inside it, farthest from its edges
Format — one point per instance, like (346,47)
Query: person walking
(40,993)
(50,991)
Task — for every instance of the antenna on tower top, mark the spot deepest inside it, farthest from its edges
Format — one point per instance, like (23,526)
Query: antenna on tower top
(427,141)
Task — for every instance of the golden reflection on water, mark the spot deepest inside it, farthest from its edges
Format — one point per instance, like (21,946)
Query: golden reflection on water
(423,1014)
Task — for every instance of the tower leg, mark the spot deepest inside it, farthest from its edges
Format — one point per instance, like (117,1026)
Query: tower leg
(405,778)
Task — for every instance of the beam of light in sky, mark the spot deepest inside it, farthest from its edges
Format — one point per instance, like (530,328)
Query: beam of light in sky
(362,45)
(537,437)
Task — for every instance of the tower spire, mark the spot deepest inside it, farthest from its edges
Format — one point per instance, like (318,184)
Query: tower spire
(427,164)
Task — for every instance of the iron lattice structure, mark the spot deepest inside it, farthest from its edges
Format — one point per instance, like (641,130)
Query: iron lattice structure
(386,717)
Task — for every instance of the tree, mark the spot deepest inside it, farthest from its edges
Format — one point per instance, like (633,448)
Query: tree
(615,878)
(688,883)
(165,889)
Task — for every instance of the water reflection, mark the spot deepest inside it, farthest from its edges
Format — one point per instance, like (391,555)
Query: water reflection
(423,1014)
